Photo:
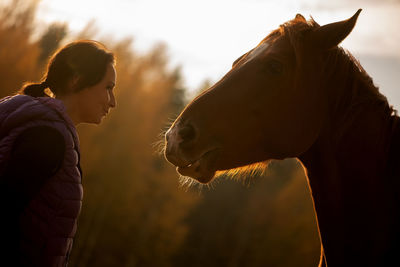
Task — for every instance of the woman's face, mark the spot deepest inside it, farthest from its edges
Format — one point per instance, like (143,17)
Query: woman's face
(95,101)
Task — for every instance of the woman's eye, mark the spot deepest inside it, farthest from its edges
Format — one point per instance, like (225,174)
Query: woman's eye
(274,67)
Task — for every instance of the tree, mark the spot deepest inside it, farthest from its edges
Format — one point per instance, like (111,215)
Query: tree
(18,52)
(269,222)
(50,40)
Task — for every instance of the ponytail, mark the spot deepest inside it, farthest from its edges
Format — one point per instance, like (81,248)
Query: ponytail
(35,89)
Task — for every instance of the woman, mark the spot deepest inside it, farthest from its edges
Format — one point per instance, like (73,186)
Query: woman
(40,175)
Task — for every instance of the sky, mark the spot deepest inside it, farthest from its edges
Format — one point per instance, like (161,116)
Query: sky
(205,37)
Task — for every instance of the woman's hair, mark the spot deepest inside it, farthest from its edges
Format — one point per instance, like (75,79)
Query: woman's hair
(77,65)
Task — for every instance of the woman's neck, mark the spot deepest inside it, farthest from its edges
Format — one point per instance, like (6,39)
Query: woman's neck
(70,103)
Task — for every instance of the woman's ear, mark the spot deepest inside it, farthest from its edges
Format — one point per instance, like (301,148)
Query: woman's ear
(74,83)
(330,35)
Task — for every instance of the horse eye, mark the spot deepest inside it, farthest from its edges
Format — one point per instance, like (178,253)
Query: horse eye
(274,67)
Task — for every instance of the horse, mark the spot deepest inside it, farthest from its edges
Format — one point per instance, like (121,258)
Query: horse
(298,94)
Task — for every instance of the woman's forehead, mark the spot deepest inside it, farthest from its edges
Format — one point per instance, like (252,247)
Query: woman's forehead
(111,73)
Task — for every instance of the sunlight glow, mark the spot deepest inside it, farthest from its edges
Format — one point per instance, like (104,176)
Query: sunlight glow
(205,37)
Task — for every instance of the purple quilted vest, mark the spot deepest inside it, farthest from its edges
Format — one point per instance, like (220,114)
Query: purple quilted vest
(48,223)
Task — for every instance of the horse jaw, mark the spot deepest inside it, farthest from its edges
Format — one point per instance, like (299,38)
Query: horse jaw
(239,173)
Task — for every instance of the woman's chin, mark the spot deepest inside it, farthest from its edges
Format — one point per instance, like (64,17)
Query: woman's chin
(96,121)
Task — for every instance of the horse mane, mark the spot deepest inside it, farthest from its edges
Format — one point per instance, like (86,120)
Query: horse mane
(351,75)
(341,66)
(351,91)
(349,86)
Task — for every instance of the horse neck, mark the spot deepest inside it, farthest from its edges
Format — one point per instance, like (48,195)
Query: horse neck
(351,150)
(359,121)
(346,163)
(357,152)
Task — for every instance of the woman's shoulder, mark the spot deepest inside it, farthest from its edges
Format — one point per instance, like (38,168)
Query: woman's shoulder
(20,107)
(10,104)
(26,111)
(34,120)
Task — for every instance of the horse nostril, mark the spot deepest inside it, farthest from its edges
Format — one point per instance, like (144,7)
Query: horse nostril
(187,133)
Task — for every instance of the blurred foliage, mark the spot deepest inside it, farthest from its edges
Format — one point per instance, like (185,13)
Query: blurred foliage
(134,211)
(50,41)
(18,53)
(266,221)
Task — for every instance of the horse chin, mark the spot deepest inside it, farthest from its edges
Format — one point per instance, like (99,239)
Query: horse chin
(196,172)
(203,178)
(202,170)
(205,170)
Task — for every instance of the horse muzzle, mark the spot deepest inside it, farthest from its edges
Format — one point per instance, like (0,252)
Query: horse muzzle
(180,141)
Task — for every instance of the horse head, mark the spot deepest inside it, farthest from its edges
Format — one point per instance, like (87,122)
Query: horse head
(270,105)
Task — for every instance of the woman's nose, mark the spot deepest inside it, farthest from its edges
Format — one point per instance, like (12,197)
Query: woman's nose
(112,102)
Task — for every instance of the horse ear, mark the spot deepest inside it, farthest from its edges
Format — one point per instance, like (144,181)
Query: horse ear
(330,35)
(313,22)
(300,17)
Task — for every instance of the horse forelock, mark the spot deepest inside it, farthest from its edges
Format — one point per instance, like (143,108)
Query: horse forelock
(296,28)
